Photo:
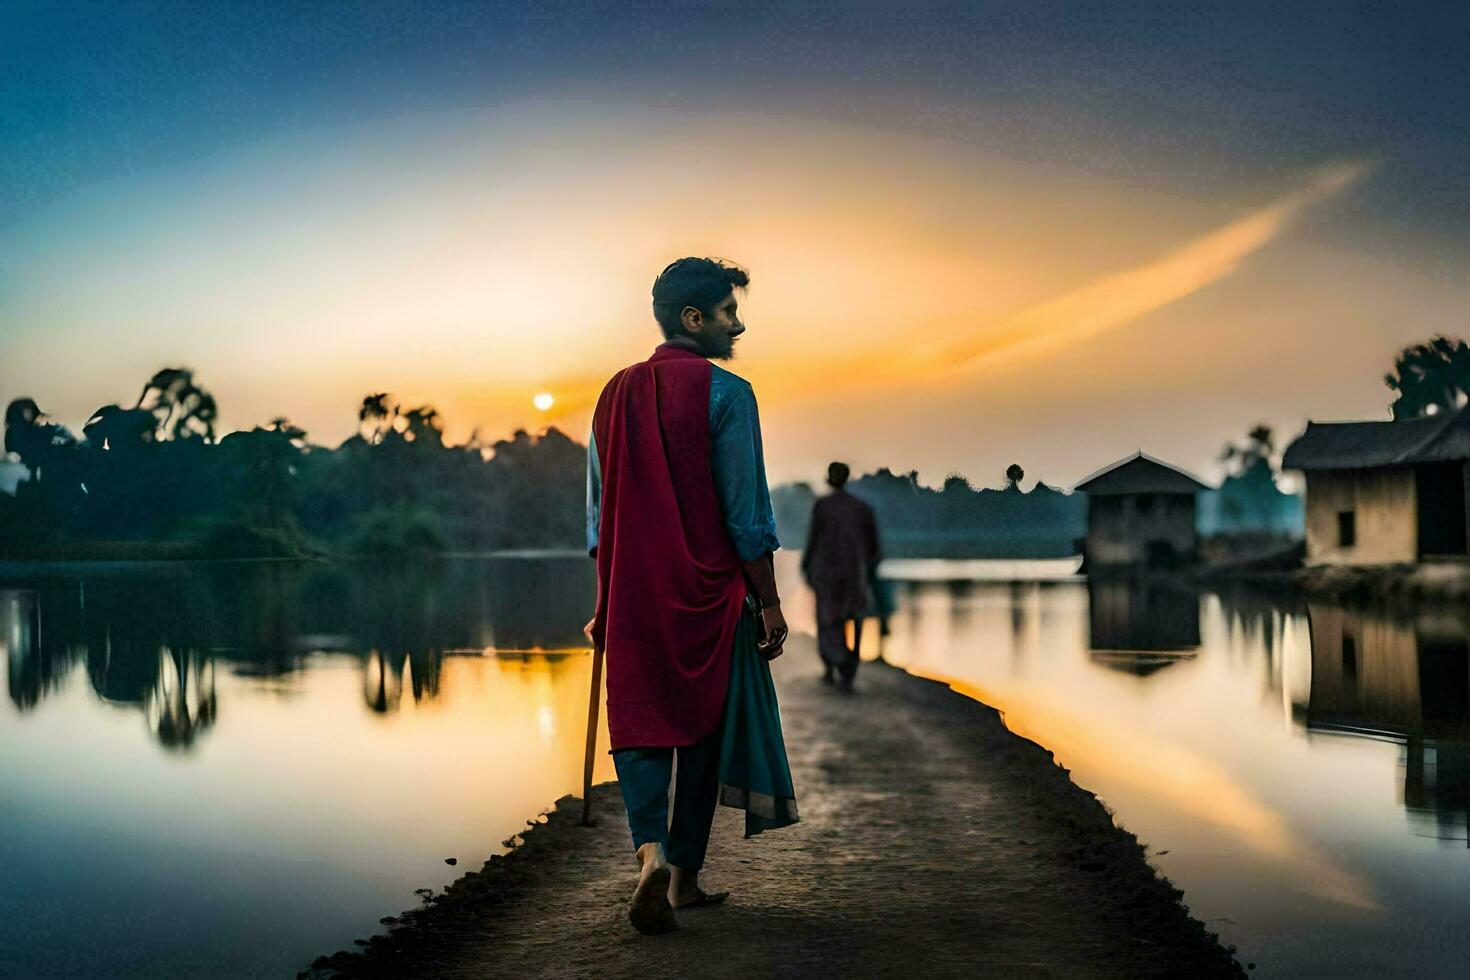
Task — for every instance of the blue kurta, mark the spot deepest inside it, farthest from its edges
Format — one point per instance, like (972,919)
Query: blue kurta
(736,461)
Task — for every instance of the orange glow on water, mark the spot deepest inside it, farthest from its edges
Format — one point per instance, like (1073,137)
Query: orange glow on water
(1184,779)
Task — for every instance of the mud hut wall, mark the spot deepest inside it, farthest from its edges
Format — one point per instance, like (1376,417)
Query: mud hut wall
(1120,527)
(1386,516)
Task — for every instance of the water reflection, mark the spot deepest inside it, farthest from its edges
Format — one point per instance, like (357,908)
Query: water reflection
(1297,770)
(29,677)
(1273,750)
(386,676)
(153,640)
(1141,625)
(182,702)
(227,746)
(1404,677)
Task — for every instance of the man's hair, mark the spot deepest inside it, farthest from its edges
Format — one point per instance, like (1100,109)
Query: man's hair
(837,474)
(700,283)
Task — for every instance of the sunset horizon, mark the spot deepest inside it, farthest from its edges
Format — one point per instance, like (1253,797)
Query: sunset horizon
(935,257)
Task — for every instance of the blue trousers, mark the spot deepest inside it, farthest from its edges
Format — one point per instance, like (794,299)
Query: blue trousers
(645,774)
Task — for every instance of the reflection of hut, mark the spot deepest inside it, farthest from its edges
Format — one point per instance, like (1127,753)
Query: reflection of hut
(1365,673)
(1404,679)
(1140,510)
(1437,780)
(1381,492)
(1141,625)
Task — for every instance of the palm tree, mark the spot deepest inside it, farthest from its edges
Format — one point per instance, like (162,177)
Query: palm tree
(423,426)
(375,417)
(181,408)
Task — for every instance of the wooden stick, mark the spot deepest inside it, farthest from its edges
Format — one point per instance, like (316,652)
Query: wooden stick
(593,703)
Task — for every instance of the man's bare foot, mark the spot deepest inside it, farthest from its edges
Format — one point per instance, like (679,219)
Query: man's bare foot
(650,911)
(684,890)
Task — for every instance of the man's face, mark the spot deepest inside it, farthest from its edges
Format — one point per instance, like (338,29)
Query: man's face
(716,333)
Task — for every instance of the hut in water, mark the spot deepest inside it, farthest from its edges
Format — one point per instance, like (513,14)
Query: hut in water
(1140,510)
(1384,492)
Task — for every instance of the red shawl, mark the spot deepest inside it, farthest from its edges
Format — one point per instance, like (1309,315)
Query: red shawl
(669,584)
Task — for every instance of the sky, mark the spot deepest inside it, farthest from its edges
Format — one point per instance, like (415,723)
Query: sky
(977,234)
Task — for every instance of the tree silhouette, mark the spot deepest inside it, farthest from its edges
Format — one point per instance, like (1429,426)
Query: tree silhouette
(1248,499)
(954,520)
(181,408)
(1014,475)
(1259,450)
(423,426)
(37,440)
(1430,377)
(151,480)
(120,430)
(375,417)
(264,464)
(56,491)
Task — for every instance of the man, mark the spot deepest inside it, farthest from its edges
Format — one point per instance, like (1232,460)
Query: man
(840,564)
(679,519)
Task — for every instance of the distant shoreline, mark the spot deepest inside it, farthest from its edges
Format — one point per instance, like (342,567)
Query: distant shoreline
(17,565)
(1431,582)
(1426,582)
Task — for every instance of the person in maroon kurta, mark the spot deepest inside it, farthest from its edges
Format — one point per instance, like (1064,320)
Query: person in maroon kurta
(839,562)
(679,522)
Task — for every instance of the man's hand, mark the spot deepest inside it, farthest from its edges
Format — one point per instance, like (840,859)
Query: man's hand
(587,630)
(760,573)
(774,624)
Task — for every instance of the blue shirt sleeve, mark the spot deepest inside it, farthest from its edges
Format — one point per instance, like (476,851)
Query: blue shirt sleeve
(594,494)
(739,467)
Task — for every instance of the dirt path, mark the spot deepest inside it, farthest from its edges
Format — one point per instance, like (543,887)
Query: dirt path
(932,841)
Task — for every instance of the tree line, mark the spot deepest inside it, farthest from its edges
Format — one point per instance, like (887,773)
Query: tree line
(153,480)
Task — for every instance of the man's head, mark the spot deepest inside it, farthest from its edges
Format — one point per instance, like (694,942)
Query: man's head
(695,298)
(837,475)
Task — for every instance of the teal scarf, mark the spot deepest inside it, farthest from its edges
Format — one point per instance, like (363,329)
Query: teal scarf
(754,774)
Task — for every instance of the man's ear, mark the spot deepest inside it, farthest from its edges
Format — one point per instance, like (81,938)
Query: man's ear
(692,319)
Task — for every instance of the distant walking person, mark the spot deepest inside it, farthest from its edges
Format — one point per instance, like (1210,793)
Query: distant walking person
(840,564)
(679,519)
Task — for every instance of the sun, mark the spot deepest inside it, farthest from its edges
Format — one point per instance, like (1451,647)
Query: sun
(543,401)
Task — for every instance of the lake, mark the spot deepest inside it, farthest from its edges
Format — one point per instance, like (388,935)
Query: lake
(1301,771)
(231,768)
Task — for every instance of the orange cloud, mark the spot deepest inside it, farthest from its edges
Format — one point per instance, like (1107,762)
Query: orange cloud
(1080,314)
(1123,297)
